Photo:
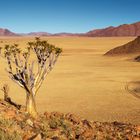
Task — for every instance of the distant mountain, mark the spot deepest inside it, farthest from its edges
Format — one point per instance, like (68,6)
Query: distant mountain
(128,48)
(49,34)
(67,34)
(122,30)
(6,32)
(39,34)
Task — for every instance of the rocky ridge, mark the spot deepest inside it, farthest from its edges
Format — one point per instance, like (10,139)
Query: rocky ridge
(18,125)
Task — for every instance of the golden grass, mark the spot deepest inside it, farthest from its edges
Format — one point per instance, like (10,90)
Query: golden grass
(83,81)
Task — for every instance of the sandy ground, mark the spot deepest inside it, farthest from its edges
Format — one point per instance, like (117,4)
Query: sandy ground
(83,81)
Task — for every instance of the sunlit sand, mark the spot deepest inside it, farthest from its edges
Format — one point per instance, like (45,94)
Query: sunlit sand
(83,81)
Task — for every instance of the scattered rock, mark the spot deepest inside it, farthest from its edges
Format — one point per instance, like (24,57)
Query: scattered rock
(88,134)
(29,122)
(10,114)
(87,123)
(138,128)
(47,115)
(72,118)
(57,126)
(38,137)
(55,138)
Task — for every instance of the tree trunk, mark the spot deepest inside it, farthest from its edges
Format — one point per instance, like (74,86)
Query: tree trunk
(31,104)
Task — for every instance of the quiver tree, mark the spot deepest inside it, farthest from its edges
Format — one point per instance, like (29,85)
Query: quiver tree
(28,72)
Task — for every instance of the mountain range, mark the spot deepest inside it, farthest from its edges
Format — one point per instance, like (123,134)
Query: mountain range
(111,31)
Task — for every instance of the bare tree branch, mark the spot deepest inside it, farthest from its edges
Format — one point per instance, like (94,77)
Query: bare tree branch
(21,66)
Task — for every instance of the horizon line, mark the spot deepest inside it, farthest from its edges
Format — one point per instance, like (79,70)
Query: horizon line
(69,32)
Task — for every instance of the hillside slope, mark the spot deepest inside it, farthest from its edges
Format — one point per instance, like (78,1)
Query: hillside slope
(129,48)
(17,124)
(122,30)
(6,32)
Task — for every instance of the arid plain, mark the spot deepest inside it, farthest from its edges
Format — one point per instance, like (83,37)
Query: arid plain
(84,82)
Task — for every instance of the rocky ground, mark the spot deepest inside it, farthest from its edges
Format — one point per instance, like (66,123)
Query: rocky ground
(18,125)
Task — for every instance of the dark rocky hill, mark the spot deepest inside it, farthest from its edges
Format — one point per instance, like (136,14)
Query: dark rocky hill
(6,32)
(122,30)
(129,48)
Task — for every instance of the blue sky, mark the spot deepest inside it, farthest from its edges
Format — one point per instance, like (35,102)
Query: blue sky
(54,16)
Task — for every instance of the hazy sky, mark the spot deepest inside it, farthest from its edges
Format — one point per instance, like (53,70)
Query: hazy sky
(66,15)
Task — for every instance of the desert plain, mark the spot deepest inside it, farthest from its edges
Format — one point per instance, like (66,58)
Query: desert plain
(83,81)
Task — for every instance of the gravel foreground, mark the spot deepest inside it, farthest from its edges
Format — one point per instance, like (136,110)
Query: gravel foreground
(18,125)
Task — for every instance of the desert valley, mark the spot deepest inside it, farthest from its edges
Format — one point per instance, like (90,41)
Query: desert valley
(97,78)
(87,83)
(70,70)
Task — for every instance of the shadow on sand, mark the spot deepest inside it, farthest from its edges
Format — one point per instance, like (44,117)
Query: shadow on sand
(133,88)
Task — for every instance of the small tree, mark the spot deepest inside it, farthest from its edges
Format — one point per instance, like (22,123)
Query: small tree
(29,73)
